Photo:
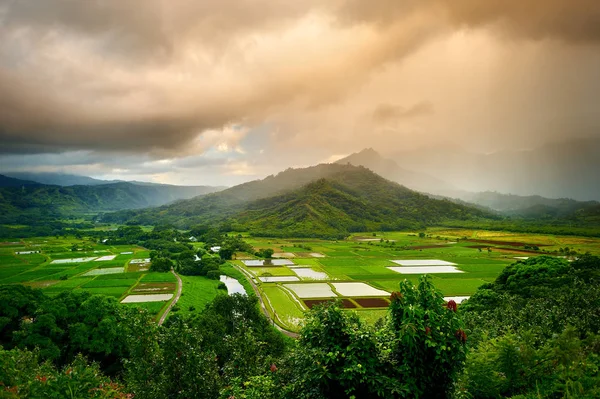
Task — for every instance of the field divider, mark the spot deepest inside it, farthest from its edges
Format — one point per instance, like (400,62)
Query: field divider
(162,318)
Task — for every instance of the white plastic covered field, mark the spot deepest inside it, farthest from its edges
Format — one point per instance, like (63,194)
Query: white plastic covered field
(423,262)
(110,270)
(358,289)
(147,298)
(106,257)
(72,260)
(139,261)
(310,274)
(312,290)
(425,269)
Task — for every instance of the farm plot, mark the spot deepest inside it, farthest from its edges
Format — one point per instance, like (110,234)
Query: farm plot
(424,262)
(147,298)
(278,279)
(109,283)
(110,270)
(156,288)
(271,271)
(72,260)
(310,274)
(372,302)
(117,292)
(262,262)
(284,255)
(346,303)
(311,290)
(358,289)
(139,261)
(285,309)
(425,269)
(105,257)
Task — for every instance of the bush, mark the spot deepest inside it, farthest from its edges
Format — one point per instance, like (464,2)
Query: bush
(214,274)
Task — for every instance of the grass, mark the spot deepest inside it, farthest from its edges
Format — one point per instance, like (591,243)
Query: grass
(285,310)
(156,277)
(109,283)
(198,291)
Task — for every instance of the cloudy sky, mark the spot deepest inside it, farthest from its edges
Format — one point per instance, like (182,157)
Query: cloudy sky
(220,92)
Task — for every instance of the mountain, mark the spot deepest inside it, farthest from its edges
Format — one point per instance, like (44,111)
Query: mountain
(328,200)
(38,202)
(533,206)
(567,169)
(58,179)
(6,181)
(389,169)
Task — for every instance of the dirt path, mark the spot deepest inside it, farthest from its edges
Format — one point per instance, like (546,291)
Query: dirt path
(174,302)
(264,308)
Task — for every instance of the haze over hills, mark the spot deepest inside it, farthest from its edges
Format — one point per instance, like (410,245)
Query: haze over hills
(567,169)
(510,204)
(58,179)
(392,171)
(327,200)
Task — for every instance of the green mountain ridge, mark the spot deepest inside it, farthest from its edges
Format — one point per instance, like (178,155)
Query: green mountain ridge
(25,204)
(323,201)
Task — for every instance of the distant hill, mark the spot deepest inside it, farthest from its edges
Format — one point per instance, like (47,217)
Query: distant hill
(567,169)
(389,169)
(33,203)
(6,181)
(328,200)
(58,179)
(533,206)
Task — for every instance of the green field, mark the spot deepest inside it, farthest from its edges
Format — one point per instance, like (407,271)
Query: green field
(366,257)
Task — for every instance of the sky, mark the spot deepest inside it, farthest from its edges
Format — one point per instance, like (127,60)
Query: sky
(222,92)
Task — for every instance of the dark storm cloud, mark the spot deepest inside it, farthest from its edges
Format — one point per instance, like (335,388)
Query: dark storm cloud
(150,76)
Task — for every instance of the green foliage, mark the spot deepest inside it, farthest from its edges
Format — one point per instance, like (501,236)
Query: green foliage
(542,294)
(68,324)
(535,331)
(160,264)
(266,253)
(171,362)
(23,375)
(337,356)
(426,339)
(417,352)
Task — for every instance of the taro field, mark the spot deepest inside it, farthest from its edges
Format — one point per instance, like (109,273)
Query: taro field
(58,265)
(363,270)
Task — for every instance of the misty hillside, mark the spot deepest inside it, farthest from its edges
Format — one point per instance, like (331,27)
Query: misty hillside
(389,169)
(534,206)
(6,181)
(327,200)
(34,202)
(58,179)
(560,170)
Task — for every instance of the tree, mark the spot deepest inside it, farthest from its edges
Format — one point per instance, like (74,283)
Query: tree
(160,264)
